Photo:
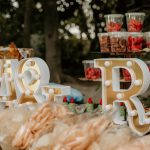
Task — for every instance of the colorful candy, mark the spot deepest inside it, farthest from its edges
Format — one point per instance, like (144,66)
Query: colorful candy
(104,41)
(134,25)
(135,42)
(89,105)
(65,102)
(71,105)
(126,75)
(113,26)
(92,73)
(118,41)
(122,109)
(135,21)
(65,99)
(113,22)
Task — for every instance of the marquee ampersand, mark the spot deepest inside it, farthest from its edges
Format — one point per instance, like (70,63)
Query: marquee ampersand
(30,75)
(138,120)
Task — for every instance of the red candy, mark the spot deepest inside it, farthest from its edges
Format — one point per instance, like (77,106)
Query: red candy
(121,104)
(92,73)
(90,100)
(65,99)
(113,26)
(135,25)
(72,100)
(126,75)
(100,102)
(135,43)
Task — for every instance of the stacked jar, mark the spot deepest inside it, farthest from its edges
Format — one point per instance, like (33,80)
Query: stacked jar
(117,41)
(104,41)
(90,71)
(114,40)
(147,39)
(135,36)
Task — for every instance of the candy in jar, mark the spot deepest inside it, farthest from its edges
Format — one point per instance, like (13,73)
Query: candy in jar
(113,22)
(90,71)
(135,41)
(104,41)
(118,41)
(135,21)
(147,37)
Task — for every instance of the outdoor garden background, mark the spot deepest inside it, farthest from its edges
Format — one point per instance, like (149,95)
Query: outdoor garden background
(64,32)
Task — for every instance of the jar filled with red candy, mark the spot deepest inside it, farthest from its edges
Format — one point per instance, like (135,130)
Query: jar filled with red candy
(104,41)
(147,37)
(90,71)
(135,41)
(118,41)
(135,21)
(114,22)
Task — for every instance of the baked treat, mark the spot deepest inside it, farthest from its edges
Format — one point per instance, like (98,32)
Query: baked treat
(141,143)
(11,121)
(80,136)
(39,123)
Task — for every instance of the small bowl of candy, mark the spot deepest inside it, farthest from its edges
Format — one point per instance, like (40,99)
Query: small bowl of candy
(147,37)
(135,41)
(104,41)
(135,21)
(114,22)
(90,71)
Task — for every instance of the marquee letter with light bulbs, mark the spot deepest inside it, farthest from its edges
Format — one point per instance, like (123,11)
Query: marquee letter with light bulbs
(27,81)
(112,94)
(54,93)
(30,75)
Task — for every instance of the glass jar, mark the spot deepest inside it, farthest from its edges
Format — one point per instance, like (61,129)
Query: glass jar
(114,22)
(118,41)
(104,41)
(90,71)
(147,38)
(135,21)
(135,41)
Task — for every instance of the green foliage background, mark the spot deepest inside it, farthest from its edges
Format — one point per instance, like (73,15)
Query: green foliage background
(73,49)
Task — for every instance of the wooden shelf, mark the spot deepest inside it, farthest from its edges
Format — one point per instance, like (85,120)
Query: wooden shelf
(122,80)
(100,80)
(94,80)
(143,52)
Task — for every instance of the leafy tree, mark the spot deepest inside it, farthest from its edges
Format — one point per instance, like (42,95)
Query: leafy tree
(57,21)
